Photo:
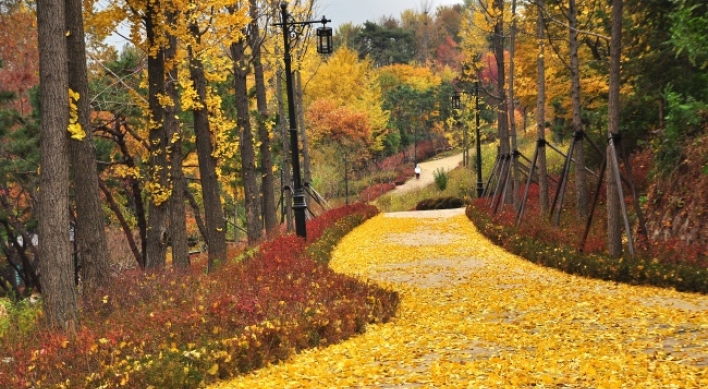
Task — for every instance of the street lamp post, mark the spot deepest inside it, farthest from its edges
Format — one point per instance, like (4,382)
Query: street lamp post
(324,46)
(457,104)
(480,185)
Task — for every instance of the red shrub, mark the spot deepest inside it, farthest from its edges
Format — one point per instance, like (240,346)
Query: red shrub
(170,328)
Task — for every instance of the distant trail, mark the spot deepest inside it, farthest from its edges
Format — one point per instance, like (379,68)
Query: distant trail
(426,174)
(474,316)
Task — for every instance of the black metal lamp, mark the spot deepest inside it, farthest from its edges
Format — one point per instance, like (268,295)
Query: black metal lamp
(456,100)
(293,29)
(324,39)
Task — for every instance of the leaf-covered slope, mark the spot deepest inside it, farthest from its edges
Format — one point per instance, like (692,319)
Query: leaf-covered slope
(677,204)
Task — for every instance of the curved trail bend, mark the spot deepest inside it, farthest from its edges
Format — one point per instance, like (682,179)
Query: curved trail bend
(475,316)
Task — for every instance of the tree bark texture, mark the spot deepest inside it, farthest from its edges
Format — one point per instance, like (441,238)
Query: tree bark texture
(178,218)
(56,266)
(502,107)
(286,177)
(248,155)
(91,246)
(270,217)
(614,232)
(213,212)
(543,199)
(581,191)
(516,174)
(158,169)
(307,172)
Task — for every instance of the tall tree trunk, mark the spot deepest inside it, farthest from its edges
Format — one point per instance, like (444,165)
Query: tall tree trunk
(270,217)
(307,173)
(178,216)
(581,190)
(614,232)
(248,155)
(90,236)
(56,267)
(512,112)
(287,178)
(543,200)
(502,107)
(158,168)
(213,212)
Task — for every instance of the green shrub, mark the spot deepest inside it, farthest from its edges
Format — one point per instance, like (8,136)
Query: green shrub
(441,179)
(18,318)
(440,203)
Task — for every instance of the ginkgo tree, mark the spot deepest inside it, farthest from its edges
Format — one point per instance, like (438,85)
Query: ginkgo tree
(346,81)
(199,32)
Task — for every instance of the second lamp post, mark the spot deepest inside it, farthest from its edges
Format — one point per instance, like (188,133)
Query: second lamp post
(457,104)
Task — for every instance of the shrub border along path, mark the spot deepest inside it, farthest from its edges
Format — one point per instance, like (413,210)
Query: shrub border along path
(475,316)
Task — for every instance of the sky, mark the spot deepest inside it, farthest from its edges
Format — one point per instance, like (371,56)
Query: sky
(344,11)
(359,11)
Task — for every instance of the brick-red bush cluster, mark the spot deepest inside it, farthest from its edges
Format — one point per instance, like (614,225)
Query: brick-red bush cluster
(680,266)
(174,329)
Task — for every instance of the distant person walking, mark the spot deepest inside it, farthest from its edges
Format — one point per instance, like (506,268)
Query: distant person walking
(417,172)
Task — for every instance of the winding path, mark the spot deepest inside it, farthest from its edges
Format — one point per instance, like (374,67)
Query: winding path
(428,169)
(474,316)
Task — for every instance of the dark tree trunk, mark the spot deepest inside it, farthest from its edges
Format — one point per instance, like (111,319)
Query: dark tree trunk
(248,157)
(286,177)
(91,246)
(213,212)
(579,153)
(516,174)
(56,267)
(158,169)
(124,225)
(307,173)
(614,232)
(133,190)
(270,217)
(502,107)
(195,208)
(178,218)
(543,199)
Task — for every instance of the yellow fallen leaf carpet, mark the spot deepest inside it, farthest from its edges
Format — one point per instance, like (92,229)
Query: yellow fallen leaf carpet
(475,316)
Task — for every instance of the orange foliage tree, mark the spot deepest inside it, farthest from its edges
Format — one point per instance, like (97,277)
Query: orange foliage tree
(343,125)
(19,56)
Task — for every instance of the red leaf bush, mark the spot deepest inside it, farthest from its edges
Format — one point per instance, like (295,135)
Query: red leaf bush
(537,240)
(172,329)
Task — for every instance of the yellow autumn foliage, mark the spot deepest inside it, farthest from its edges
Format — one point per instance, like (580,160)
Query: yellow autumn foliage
(344,80)
(475,316)
(74,128)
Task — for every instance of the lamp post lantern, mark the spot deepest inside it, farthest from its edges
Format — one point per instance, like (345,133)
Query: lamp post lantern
(324,46)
